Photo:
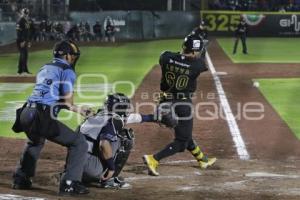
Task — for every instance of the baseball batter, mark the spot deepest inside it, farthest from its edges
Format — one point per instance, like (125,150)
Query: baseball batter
(178,83)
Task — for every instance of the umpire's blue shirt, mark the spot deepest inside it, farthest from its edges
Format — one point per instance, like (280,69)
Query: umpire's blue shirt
(53,82)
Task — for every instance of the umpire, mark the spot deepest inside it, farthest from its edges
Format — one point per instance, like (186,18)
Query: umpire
(37,118)
(178,83)
(23,40)
(241,33)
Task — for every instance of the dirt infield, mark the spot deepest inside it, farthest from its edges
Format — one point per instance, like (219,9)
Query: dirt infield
(271,173)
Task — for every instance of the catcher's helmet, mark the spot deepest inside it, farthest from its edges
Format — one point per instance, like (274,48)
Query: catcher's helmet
(117,103)
(192,43)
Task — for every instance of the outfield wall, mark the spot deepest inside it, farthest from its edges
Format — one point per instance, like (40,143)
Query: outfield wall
(7,33)
(261,24)
(139,25)
(144,25)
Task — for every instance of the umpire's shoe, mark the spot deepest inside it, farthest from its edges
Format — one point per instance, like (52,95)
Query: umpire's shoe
(70,188)
(21,183)
(207,162)
(152,164)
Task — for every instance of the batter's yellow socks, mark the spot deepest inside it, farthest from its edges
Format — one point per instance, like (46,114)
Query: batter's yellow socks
(198,154)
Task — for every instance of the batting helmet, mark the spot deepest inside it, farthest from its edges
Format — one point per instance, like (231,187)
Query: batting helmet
(192,43)
(118,103)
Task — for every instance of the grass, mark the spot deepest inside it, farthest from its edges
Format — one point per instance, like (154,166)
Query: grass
(264,50)
(284,95)
(129,62)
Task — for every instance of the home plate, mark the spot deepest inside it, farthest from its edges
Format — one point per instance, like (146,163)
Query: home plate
(221,73)
(17,197)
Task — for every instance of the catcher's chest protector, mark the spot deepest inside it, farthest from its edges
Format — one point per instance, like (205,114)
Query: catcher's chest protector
(92,127)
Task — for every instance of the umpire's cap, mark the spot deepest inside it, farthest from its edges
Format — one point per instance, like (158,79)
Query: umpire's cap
(192,43)
(65,47)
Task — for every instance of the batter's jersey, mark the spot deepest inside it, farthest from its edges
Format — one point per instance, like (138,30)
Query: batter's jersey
(53,82)
(179,73)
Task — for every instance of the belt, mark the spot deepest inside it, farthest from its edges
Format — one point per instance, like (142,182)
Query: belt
(172,96)
(37,106)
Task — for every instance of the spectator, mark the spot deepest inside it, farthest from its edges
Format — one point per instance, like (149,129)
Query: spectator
(48,30)
(81,31)
(110,32)
(87,33)
(282,9)
(34,30)
(73,33)
(97,29)
(42,27)
(58,31)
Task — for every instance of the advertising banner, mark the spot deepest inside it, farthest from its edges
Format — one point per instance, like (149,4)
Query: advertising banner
(260,24)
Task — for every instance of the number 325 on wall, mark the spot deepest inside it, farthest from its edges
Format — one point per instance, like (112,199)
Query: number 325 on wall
(221,22)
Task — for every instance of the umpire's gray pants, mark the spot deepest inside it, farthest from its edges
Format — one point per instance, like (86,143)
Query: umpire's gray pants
(76,144)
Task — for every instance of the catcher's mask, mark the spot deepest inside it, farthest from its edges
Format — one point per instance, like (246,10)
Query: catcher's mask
(192,43)
(118,103)
(66,47)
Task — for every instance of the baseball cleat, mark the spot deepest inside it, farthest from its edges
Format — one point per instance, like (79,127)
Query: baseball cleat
(115,183)
(207,163)
(70,188)
(21,183)
(152,164)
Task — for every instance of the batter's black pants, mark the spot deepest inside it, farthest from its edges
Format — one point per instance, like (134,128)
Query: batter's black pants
(23,57)
(183,131)
(75,143)
(243,39)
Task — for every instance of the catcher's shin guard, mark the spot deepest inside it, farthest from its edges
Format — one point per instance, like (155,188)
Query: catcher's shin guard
(120,161)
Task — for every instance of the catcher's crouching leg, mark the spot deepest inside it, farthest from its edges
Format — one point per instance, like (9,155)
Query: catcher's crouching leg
(123,153)
(120,161)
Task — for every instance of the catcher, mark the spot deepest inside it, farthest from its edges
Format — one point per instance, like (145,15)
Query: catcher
(109,142)
(179,80)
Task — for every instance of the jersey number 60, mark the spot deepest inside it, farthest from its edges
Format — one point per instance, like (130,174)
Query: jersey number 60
(179,82)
